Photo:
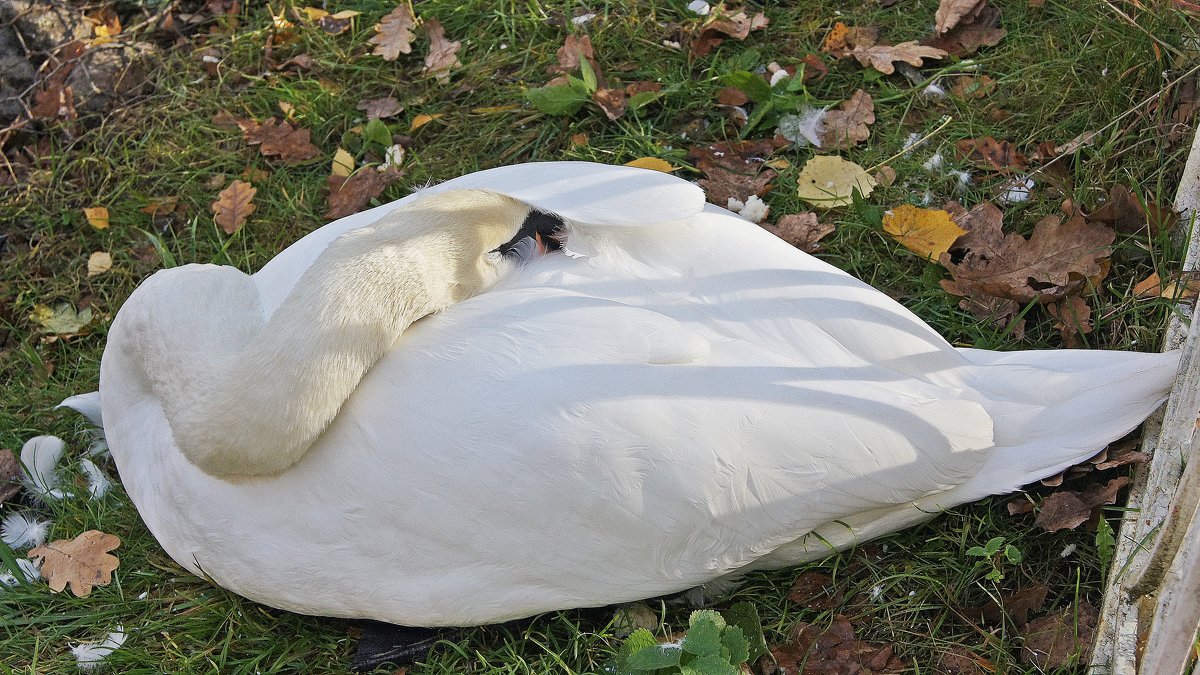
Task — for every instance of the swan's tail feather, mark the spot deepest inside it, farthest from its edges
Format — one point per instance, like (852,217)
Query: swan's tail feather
(1054,409)
(87,405)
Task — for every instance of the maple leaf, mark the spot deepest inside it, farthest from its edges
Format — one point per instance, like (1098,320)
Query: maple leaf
(1058,258)
(927,232)
(988,152)
(882,57)
(380,108)
(81,563)
(802,230)
(443,53)
(350,195)
(233,205)
(848,125)
(394,33)
(734,169)
(1055,640)
(1068,509)
(279,139)
(950,12)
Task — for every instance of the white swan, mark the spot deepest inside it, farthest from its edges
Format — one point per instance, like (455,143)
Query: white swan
(683,397)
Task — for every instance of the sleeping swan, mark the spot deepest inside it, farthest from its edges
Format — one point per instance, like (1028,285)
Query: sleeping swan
(432,424)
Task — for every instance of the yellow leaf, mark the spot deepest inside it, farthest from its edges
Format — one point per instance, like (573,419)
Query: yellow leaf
(653,163)
(343,163)
(926,232)
(315,13)
(779,164)
(97,216)
(62,320)
(99,263)
(494,109)
(827,181)
(288,110)
(421,120)
(346,14)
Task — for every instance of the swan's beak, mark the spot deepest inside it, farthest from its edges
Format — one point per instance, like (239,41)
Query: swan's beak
(542,248)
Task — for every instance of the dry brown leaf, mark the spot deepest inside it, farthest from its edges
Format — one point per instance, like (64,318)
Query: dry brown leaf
(350,195)
(842,38)
(394,33)
(575,48)
(279,139)
(1016,605)
(1072,317)
(1067,510)
(848,125)
(885,176)
(982,30)
(233,205)
(421,120)
(10,475)
(82,562)
(802,230)
(1059,258)
(1126,214)
(611,101)
(443,53)
(987,152)
(950,12)
(1061,638)
(734,169)
(726,24)
(927,232)
(970,87)
(161,207)
(380,108)
(732,96)
(959,660)
(815,591)
(882,57)
(55,100)
(827,651)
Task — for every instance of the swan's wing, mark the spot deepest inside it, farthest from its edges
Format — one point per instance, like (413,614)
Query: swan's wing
(583,192)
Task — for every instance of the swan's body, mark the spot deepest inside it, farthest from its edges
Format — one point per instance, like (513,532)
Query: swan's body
(685,400)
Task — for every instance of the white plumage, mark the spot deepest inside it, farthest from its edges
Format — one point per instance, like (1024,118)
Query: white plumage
(681,398)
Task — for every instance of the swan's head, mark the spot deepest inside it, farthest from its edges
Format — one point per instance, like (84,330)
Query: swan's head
(483,234)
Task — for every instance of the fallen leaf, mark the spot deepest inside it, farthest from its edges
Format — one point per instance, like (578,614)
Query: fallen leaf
(721,24)
(98,263)
(734,169)
(55,100)
(97,217)
(982,30)
(336,24)
(105,24)
(350,195)
(343,163)
(443,53)
(394,34)
(1016,605)
(827,181)
(82,562)
(732,96)
(1072,317)
(63,321)
(652,163)
(848,125)
(815,590)
(833,650)
(233,205)
(802,230)
(987,152)
(1067,510)
(842,38)
(927,232)
(160,207)
(252,174)
(279,139)
(962,661)
(885,176)
(1057,259)
(882,57)
(1126,213)
(1060,639)
(970,87)
(575,48)
(611,101)
(421,120)
(1173,288)
(380,108)
(10,475)
(950,12)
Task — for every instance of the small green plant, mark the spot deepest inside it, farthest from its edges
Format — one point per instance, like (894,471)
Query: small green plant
(778,103)
(995,552)
(1105,543)
(567,99)
(711,646)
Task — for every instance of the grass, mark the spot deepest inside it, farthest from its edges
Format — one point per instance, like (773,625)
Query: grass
(1063,70)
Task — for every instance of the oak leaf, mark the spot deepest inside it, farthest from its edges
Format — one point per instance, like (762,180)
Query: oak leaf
(849,124)
(233,205)
(1057,639)
(987,152)
(981,30)
(81,563)
(927,232)
(279,139)
(951,12)
(802,230)
(1072,318)
(842,38)
(721,24)
(350,195)
(734,169)
(1067,510)
(380,108)
(394,34)
(443,53)
(882,57)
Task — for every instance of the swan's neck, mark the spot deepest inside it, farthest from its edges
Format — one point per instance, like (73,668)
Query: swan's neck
(260,404)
